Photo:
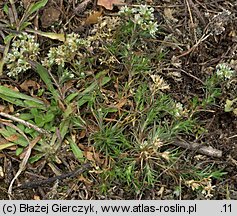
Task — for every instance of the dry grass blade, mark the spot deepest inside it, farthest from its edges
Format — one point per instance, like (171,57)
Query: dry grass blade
(23,163)
(5,51)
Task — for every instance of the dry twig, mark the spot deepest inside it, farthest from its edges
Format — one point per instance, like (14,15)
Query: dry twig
(203,149)
(35,184)
(27,124)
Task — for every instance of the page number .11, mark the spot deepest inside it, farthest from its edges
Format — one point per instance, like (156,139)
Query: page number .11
(226,208)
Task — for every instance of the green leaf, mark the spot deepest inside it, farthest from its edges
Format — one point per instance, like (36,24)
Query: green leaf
(6,133)
(68,111)
(5,9)
(11,100)
(34,104)
(36,6)
(78,122)
(14,94)
(8,38)
(84,99)
(35,112)
(95,84)
(49,117)
(19,151)
(24,25)
(21,127)
(35,158)
(85,96)
(26,116)
(218,174)
(44,75)
(39,120)
(64,127)
(71,97)
(76,150)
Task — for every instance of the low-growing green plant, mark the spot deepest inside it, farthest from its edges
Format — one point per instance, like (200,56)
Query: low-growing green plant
(109,139)
(201,180)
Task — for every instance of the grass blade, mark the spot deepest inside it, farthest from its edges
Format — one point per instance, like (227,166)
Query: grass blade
(76,150)
(47,80)
(14,94)
(36,6)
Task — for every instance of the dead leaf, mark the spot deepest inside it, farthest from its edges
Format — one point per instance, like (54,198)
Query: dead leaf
(23,163)
(168,12)
(12,87)
(2,108)
(83,179)
(1,173)
(121,103)
(11,108)
(93,156)
(3,141)
(98,159)
(2,155)
(50,16)
(176,62)
(1,15)
(93,18)
(85,148)
(36,197)
(161,191)
(68,86)
(29,83)
(89,156)
(109,4)
(81,135)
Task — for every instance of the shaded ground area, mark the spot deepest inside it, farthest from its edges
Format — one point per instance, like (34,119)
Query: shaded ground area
(193,38)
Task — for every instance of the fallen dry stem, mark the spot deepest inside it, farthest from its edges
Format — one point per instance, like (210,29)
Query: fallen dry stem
(35,184)
(23,162)
(200,148)
(27,124)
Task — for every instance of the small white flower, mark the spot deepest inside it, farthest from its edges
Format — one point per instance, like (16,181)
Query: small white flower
(71,76)
(24,48)
(125,10)
(153,28)
(143,9)
(178,109)
(224,71)
(138,19)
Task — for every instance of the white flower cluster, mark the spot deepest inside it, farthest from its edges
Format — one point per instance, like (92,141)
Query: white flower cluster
(66,52)
(224,71)
(179,110)
(24,48)
(142,16)
(67,75)
(158,84)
